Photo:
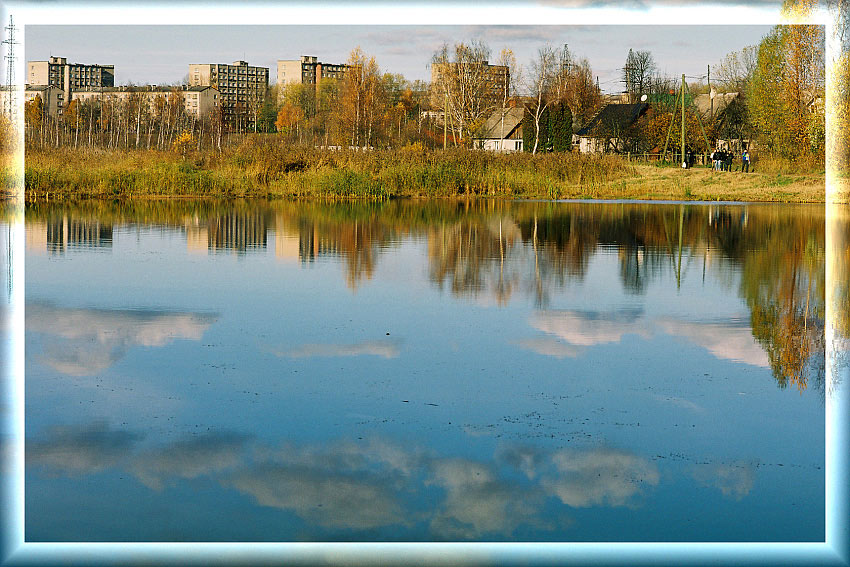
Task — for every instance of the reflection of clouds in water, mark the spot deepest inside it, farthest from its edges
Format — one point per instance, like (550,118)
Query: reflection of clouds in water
(550,347)
(599,477)
(329,498)
(478,502)
(726,341)
(384,348)
(587,328)
(80,357)
(82,342)
(368,485)
(190,458)
(734,480)
(680,402)
(370,453)
(78,450)
(526,459)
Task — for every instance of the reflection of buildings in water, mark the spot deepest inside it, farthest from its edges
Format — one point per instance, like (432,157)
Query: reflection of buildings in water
(238,232)
(197,239)
(60,233)
(286,241)
(300,242)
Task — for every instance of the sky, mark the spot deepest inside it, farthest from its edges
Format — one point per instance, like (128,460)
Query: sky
(159,54)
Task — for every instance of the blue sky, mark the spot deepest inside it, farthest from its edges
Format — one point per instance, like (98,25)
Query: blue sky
(161,54)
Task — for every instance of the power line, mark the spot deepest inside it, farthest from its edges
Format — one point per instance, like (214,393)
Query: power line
(10,67)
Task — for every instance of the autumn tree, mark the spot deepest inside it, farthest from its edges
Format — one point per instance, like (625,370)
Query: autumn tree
(462,87)
(736,70)
(361,99)
(288,118)
(787,94)
(581,93)
(34,118)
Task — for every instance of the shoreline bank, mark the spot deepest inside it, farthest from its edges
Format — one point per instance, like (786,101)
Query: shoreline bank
(275,172)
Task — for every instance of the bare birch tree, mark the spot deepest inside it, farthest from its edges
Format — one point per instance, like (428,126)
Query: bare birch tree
(462,86)
(547,82)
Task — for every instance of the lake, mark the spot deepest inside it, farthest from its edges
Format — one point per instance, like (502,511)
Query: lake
(424,371)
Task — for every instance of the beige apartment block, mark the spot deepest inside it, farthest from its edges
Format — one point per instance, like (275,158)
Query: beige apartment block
(198,101)
(242,88)
(307,71)
(69,77)
(52,98)
(496,79)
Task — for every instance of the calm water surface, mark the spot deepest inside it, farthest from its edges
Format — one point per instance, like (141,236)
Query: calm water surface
(424,372)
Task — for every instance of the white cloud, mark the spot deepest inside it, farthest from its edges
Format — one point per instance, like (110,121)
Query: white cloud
(78,450)
(550,347)
(477,503)
(583,328)
(190,458)
(723,340)
(601,477)
(328,498)
(82,342)
(734,480)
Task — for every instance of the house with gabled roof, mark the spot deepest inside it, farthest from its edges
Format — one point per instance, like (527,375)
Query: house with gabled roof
(502,131)
(605,132)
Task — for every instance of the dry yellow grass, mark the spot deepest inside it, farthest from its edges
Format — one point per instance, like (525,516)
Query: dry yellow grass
(707,185)
(271,171)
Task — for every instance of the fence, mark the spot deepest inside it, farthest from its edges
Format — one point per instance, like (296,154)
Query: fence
(699,159)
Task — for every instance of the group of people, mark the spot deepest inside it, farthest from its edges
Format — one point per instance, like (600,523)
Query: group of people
(722,160)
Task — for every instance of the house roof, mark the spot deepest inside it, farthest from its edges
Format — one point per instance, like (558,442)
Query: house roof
(492,127)
(721,101)
(623,115)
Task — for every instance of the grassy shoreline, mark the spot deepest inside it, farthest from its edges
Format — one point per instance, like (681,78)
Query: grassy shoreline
(262,170)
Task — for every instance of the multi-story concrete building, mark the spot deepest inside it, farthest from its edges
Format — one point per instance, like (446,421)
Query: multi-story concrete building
(242,87)
(52,98)
(495,79)
(69,77)
(307,71)
(198,101)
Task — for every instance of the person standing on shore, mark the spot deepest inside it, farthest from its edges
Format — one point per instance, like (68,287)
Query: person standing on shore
(745,162)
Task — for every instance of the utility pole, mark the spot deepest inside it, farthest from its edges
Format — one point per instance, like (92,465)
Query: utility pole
(681,94)
(710,96)
(683,117)
(445,120)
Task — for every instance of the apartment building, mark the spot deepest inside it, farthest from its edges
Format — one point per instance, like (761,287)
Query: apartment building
(242,89)
(307,71)
(198,101)
(495,77)
(52,98)
(69,77)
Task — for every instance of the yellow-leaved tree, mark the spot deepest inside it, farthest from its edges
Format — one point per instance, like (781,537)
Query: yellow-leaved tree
(361,99)
(788,90)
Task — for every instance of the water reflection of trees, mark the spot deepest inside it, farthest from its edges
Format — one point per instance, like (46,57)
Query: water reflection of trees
(472,256)
(496,250)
